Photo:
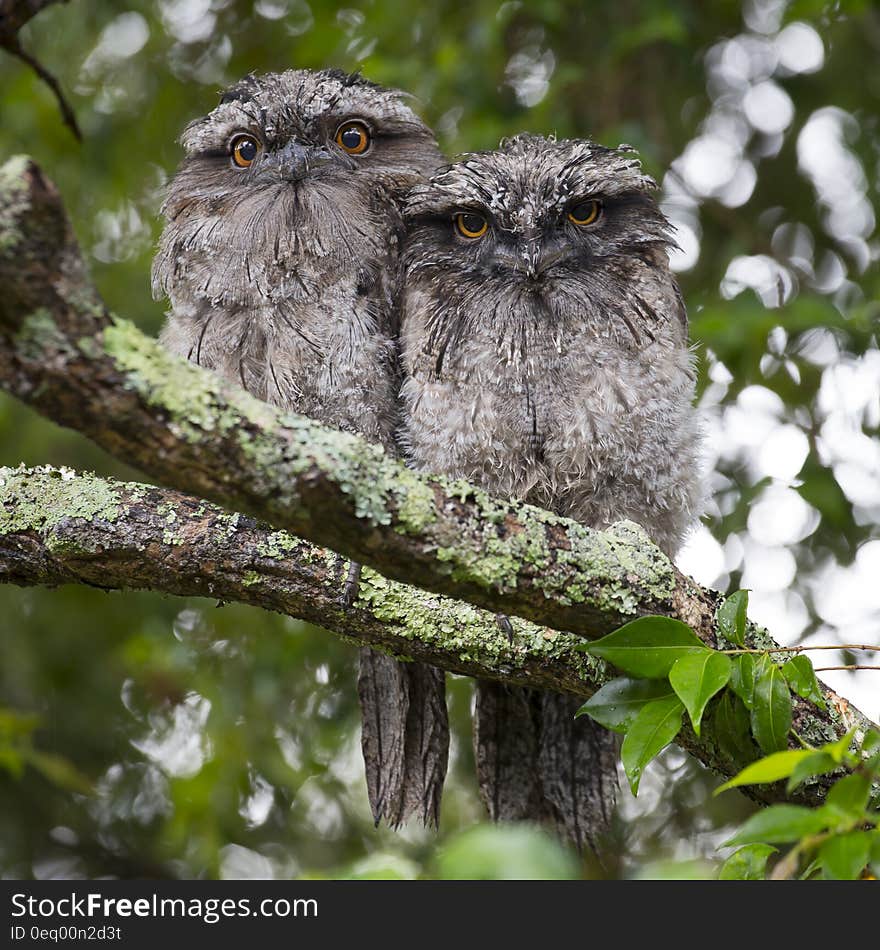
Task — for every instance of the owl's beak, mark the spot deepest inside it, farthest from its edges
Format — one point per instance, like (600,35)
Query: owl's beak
(297,161)
(529,259)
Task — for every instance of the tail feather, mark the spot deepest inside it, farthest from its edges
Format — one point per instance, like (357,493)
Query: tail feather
(506,751)
(404,738)
(536,762)
(577,763)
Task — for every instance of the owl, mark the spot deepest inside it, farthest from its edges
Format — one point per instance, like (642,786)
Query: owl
(280,258)
(545,357)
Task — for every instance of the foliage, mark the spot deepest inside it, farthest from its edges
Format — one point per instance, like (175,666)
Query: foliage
(224,741)
(676,673)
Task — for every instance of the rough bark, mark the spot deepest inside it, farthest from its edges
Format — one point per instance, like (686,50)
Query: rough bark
(57,527)
(64,354)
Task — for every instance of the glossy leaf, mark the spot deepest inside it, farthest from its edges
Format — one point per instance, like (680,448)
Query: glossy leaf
(732,617)
(749,863)
(849,796)
(742,677)
(839,750)
(816,763)
(646,647)
(616,704)
(732,728)
(772,768)
(696,678)
(798,671)
(844,857)
(780,824)
(655,726)
(771,709)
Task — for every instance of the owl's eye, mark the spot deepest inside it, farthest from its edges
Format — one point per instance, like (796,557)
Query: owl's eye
(585,212)
(244,149)
(471,225)
(353,137)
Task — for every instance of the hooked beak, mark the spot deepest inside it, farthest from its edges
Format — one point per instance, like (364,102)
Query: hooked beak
(296,161)
(529,259)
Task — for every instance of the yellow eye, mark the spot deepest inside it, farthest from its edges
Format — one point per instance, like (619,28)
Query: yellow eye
(470,224)
(245,149)
(353,137)
(585,212)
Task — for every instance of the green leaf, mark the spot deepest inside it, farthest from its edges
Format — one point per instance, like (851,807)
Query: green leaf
(732,617)
(646,647)
(731,728)
(742,677)
(839,749)
(772,768)
(771,708)
(616,704)
(696,678)
(653,728)
(798,671)
(816,763)
(747,864)
(780,824)
(848,796)
(871,741)
(844,857)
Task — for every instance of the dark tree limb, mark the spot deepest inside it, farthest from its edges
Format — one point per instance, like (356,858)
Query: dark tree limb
(57,527)
(13,16)
(64,354)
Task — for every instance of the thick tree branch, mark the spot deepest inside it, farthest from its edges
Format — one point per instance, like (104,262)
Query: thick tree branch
(57,527)
(61,352)
(64,354)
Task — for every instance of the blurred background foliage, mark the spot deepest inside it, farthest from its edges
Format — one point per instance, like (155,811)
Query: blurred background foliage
(145,736)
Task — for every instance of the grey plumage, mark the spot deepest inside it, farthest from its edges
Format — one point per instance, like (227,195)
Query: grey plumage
(280,257)
(547,360)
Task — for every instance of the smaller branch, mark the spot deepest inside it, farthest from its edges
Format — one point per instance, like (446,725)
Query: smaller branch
(804,649)
(851,666)
(67,114)
(57,527)
(14,14)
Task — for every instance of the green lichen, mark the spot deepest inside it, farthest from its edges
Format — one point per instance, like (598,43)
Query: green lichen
(416,509)
(280,545)
(14,201)
(41,499)
(190,396)
(472,635)
(39,335)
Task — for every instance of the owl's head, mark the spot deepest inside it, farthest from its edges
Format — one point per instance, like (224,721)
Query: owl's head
(293,164)
(558,231)
(301,126)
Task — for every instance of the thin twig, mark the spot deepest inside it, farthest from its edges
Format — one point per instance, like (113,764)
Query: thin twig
(67,113)
(851,666)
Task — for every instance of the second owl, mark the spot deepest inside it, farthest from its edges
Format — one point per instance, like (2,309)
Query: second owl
(544,345)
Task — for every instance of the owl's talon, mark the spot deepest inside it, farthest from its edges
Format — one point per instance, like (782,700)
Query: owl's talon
(352,585)
(505,626)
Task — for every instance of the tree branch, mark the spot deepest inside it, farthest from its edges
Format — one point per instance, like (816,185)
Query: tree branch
(14,14)
(57,527)
(64,354)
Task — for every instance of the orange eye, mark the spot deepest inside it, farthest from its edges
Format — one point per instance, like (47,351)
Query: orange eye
(353,137)
(245,149)
(585,212)
(470,224)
